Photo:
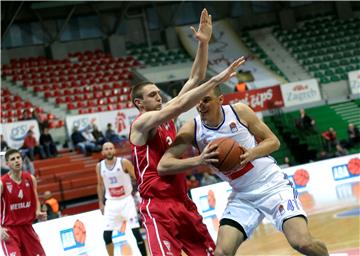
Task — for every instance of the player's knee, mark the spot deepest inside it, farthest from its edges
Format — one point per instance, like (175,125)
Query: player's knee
(223,251)
(302,244)
(107,237)
(137,234)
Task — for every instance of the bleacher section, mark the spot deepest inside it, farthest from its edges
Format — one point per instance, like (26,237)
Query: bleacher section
(260,54)
(83,83)
(157,55)
(327,47)
(13,106)
(304,146)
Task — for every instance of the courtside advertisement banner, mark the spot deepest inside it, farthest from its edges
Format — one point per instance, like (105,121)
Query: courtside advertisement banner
(319,184)
(82,234)
(301,92)
(224,47)
(15,133)
(120,120)
(354,82)
(258,99)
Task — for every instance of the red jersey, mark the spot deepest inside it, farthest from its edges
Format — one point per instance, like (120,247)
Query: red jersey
(146,159)
(18,203)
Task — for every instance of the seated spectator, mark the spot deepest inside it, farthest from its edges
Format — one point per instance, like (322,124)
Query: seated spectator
(353,135)
(192,182)
(305,122)
(81,143)
(51,206)
(4,145)
(330,139)
(207,179)
(340,151)
(31,147)
(28,166)
(47,142)
(40,118)
(98,135)
(323,155)
(111,136)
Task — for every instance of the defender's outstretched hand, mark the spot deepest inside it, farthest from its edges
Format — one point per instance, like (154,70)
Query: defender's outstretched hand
(229,72)
(205,27)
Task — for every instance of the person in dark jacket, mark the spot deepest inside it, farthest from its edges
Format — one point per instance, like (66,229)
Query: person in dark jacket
(48,144)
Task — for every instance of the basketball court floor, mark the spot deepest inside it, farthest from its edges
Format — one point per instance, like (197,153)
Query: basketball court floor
(336,223)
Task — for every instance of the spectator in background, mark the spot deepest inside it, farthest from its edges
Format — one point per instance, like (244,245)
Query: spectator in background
(207,179)
(81,143)
(305,122)
(4,145)
(353,135)
(340,151)
(32,147)
(98,135)
(111,136)
(330,139)
(40,118)
(192,182)
(47,142)
(51,206)
(323,155)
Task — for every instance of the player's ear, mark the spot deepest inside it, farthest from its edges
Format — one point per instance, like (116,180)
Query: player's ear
(221,99)
(138,102)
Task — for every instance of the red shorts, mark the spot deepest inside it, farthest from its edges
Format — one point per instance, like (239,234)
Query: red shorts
(172,225)
(22,241)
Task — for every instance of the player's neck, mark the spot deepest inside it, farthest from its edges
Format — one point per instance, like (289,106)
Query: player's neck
(110,162)
(15,175)
(216,120)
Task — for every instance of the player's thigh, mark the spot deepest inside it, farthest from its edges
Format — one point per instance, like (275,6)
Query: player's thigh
(229,238)
(160,238)
(11,246)
(296,230)
(31,242)
(129,213)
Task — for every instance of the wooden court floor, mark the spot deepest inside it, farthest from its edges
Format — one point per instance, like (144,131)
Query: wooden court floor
(339,235)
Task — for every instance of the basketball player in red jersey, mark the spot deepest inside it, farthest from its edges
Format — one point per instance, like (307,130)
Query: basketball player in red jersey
(170,218)
(19,207)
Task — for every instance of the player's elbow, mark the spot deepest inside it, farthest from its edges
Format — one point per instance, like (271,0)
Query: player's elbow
(162,168)
(276,143)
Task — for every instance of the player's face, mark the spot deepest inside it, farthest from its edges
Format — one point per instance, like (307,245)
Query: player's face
(209,107)
(15,162)
(108,151)
(151,98)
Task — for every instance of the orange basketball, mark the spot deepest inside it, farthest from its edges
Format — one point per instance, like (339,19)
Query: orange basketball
(354,166)
(301,177)
(229,153)
(79,232)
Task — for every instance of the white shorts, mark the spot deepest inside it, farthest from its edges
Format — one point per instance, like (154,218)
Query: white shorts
(119,210)
(276,199)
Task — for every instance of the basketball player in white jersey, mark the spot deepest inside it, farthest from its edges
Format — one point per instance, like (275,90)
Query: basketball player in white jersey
(113,174)
(259,188)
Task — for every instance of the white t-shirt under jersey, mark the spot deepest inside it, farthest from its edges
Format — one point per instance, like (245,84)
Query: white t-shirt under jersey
(231,126)
(117,182)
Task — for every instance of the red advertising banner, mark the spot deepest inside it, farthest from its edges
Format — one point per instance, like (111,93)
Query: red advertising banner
(258,99)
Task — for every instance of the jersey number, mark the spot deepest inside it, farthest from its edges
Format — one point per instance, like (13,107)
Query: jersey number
(113,180)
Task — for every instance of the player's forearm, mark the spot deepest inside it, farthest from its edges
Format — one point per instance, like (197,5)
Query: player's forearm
(100,192)
(198,70)
(266,147)
(170,166)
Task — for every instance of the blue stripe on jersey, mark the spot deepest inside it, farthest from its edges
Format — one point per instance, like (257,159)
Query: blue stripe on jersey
(195,140)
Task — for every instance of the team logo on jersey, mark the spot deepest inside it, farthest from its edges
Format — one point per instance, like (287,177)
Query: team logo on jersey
(13,254)
(281,209)
(167,126)
(21,194)
(168,246)
(9,187)
(233,127)
(27,184)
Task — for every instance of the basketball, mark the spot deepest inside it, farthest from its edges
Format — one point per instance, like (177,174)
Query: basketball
(229,153)
(301,177)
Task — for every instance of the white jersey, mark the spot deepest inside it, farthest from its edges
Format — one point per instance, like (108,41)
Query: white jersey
(232,127)
(117,182)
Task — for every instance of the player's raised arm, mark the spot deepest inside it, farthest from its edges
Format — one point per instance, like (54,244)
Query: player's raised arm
(203,35)
(172,161)
(152,119)
(268,141)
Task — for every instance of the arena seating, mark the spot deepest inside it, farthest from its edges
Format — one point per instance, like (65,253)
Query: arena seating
(83,83)
(327,47)
(12,107)
(157,55)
